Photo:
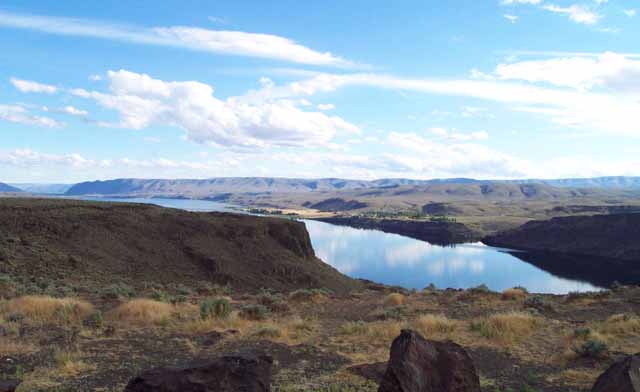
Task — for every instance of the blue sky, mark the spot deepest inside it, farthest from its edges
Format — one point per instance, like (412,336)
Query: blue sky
(197,89)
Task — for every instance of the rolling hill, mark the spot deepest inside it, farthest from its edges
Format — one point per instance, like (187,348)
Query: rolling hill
(6,188)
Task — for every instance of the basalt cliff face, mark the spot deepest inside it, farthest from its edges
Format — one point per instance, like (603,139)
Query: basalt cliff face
(115,242)
(615,236)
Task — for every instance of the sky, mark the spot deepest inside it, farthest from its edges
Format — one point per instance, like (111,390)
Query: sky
(488,89)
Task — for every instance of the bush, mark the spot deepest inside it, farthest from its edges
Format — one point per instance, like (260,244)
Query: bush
(394,299)
(254,312)
(536,301)
(44,309)
(119,290)
(505,326)
(582,333)
(309,295)
(142,311)
(268,332)
(274,302)
(481,289)
(513,294)
(592,349)
(395,313)
(354,328)
(219,308)
(430,324)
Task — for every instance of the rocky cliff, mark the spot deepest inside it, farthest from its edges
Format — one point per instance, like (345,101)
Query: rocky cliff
(612,236)
(115,242)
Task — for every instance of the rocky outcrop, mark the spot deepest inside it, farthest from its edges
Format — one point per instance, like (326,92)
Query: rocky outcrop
(622,376)
(610,236)
(9,385)
(102,242)
(233,373)
(435,232)
(420,365)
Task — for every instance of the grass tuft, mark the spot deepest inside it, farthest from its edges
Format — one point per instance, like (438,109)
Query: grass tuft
(394,299)
(47,310)
(505,327)
(142,311)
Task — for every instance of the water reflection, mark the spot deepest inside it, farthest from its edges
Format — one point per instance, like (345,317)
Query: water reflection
(397,260)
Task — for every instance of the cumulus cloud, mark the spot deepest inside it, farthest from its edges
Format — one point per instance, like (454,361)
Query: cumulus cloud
(458,136)
(630,13)
(20,115)
(216,41)
(29,86)
(142,101)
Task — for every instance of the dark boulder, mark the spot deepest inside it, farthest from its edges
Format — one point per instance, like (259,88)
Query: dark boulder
(9,385)
(231,373)
(420,365)
(622,376)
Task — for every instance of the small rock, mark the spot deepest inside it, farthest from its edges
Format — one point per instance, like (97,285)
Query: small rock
(420,365)
(231,373)
(371,371)
(9,385)
(622,376)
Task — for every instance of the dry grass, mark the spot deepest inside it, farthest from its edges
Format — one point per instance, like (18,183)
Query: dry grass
(394,299)
(506,327)
(514,294)
(45,310)
(620,324)
(577,378)
(195,325)
(432,325)
(143,312)
(292,330)
(12,347)
(70,364)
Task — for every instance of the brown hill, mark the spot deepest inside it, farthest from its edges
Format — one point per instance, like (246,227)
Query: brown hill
(612,236)
(114,242)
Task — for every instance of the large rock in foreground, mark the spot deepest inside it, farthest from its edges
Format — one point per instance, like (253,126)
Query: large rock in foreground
(622,376)
(232,373)
(420,365)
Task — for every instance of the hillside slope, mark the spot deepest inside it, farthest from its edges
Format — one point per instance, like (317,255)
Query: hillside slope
(6,188)
(612,236)
(113,242)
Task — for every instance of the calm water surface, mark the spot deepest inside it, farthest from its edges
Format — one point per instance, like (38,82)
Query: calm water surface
(397,260)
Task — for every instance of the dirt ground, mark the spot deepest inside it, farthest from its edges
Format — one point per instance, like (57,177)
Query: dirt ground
(319,341)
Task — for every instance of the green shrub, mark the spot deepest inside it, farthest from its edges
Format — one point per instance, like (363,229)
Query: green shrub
(160,296)
(481,289)
(268,332)
(395,313)
(592,349)
(354,328)
(119,290)
(219,308)
(254,312)
(582,332)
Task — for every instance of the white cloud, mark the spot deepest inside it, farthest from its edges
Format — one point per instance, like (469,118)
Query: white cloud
(326,106)
(216,41)
(458,136)
(630,13)
(95,78)
(609,70)
(74,111)
(20,115)
(143,101)
(576,13)
(29,86)
(511,18)
(612,112)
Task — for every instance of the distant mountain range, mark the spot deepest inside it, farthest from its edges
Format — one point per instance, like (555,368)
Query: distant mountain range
(49,189)
(5,188)
(218,186)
